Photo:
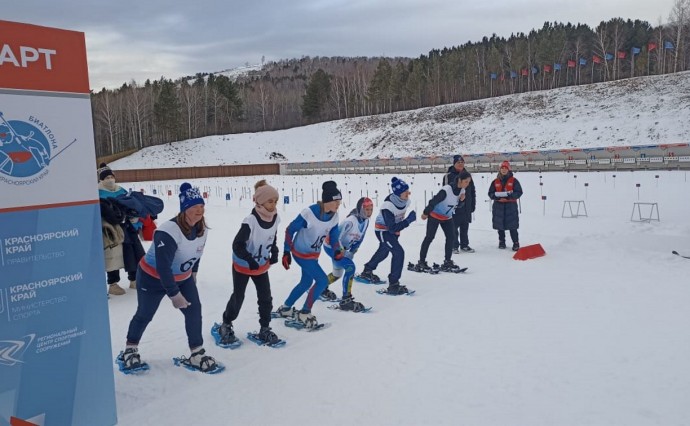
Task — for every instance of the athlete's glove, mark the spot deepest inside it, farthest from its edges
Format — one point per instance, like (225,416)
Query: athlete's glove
(287,260)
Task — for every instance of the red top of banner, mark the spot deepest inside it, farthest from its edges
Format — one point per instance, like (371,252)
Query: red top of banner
(621,55)
(42,58)
(571,64)
(651,46)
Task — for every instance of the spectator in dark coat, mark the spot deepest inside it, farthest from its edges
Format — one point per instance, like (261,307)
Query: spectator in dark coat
(505,190)
(462,217)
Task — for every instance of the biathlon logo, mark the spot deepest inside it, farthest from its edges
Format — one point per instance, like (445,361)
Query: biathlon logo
(26,149)
(11,351)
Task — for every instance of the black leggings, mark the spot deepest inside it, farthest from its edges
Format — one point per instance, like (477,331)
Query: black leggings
(263,294)
(448,227)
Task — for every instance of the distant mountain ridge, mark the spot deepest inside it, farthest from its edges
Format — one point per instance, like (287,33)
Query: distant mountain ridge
(637,111)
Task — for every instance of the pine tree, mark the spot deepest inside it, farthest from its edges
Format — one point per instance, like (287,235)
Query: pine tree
(166,111)
(316,98)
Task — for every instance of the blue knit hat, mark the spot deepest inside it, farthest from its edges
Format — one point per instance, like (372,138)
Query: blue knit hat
(458,158)
(399,186)
(189,196)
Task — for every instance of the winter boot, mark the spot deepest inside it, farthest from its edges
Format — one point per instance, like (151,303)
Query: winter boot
(286,311)
(449,266)
(422,266)
(201,361)
(227,334)
(115,290)
(268,336)
(130,358)
(307,319)
(133,284)
(396,289)
(516,246)
(328,295)
(348,304)
(369,276)
(467,249)
(501,244)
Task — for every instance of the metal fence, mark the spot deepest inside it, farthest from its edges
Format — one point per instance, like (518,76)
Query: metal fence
(649,157)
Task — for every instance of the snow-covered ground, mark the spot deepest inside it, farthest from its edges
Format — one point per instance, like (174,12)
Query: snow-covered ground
(640,111)
(594,333)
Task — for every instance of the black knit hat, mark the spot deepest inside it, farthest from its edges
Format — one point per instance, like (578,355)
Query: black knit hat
(104,171)
(458,158)
(330,192)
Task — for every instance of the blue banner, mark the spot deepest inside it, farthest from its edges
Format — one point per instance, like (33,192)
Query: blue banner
(636,50)
(53,316)
(583,61)
(557,67)
(668,45)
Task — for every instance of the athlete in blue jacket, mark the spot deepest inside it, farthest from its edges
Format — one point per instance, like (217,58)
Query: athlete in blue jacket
(303,240)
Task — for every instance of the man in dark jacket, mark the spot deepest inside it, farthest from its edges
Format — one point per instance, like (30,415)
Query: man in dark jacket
(463,214)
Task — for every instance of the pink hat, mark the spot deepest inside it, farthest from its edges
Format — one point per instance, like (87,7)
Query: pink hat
(264,193)
(505,164)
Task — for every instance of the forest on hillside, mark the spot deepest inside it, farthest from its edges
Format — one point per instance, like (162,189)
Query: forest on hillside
(296,92)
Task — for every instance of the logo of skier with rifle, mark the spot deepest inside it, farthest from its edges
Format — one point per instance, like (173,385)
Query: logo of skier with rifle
(26,149)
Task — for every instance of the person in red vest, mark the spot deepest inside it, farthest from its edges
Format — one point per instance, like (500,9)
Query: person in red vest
(505,190)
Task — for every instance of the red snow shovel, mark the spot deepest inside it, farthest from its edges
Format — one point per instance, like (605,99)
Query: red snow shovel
(529,252)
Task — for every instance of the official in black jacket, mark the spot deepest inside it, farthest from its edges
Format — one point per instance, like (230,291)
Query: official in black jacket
(463,213)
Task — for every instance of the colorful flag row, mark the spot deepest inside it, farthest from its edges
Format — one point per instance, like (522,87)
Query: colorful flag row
(547,68)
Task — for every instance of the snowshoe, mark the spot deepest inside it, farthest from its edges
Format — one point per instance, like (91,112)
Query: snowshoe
(396,290)
(304,321)
(129,362)
(266,337)
(284,312)
(328,296)
(348,304)
(200,362)
(224,336)
(368,277)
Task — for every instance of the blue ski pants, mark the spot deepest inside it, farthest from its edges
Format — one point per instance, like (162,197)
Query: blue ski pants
(150,292)
(388,243)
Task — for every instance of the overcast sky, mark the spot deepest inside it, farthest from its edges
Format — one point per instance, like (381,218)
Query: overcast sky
(140,39)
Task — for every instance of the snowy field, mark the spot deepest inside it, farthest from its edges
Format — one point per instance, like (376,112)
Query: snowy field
(594,333)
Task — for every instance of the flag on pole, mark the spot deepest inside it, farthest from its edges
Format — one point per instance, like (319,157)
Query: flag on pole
(608,56)
(668,45)
(524,72)
(493,76)
(621,55)
(636,50)
(535,70)
(547,68)
(571,64)
(556,67)
(651,46)
(583,61)
(596,59)
(513,74)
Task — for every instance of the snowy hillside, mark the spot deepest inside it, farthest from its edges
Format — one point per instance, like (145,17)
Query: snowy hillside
(639,111)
